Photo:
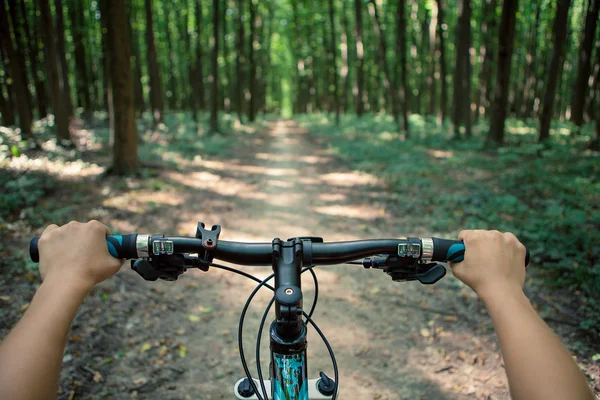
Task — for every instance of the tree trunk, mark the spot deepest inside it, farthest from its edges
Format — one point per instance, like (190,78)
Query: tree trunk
(214,101)
(252,89)
(387,81)
(106,61)
(240,61)
(125,156)
(62,58)
(333,51)
(8,115)
(431,80)
(344,34)
(360,55)
(25,116)
(506,39)
(585,54)
(443,66)
(172,98)
(156,97)
(33,49)
(55,83)
(560,34)
(530,76)
(462,78)
(19,48)
(199,71)
(482,101)
(401,55)
(81,72)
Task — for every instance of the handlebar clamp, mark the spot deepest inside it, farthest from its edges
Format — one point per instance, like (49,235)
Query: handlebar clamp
(210,238)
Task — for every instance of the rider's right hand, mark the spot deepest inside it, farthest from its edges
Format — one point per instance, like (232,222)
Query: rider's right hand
(493,263)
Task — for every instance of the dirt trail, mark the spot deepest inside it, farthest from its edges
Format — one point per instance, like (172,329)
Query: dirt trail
(179,340)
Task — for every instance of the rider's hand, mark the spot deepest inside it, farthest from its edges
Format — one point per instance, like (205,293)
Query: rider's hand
(494,262)
(76,254)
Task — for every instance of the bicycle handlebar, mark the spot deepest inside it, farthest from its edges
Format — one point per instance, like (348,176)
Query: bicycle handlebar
(137,246)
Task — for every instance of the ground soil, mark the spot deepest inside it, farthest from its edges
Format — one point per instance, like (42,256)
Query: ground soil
(178,340)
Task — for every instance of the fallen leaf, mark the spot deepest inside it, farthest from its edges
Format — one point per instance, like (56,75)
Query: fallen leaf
(451,318)
(97,377)
(24,307)
(5,298)
(182,350)
(377,396)
(194,318)
(425,333)
(145,347)
(162,351)
(30,277)
(462,355)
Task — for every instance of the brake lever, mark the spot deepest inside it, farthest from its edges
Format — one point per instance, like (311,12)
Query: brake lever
(429,277)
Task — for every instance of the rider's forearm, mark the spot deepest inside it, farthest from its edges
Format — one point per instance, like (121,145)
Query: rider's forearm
(537,365)
(31,354)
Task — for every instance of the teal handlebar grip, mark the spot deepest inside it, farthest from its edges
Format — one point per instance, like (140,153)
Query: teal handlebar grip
(119,246)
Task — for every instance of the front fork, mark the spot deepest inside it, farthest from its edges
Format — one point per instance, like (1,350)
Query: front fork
(289,371)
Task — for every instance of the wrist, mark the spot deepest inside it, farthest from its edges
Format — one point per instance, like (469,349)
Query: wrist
(70,287)
(499,293)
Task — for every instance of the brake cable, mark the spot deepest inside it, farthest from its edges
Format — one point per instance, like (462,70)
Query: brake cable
(241,324)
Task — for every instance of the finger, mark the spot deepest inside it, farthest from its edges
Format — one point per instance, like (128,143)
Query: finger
(463,234)
(511,236)
(100,225)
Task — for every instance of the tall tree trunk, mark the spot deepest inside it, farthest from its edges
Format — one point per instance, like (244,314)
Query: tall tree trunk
(156,96)
(33,49)
(172,99)
(81,71)
(25,116)
(592,102)
(383,62)
(55,83)
(240,59)
(530,76)
(62,58)
(443,65)
(333,51)
(6,108)
(252,80)
(360,56)
(215,68)
(137,68)
(301,96)
(482,101)
(401,55)
(462,77)
(560,34)
(125,156)
(585,54)
(344,34)
(199,70)
(19,48)
(106,61)
(506,39)
(431,80)
(226,83)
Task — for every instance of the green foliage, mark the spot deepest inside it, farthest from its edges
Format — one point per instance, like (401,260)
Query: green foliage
(550,201)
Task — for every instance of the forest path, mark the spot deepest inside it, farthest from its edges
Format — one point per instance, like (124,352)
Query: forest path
(179,340)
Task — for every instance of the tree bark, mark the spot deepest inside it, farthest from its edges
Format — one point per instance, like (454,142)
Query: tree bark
(506,39)
(199,70)
(332,50)
(172,98)
(81,71)
(240,59)
(62,58)
(462,78)
(33,49)
(387,80)
(581,88)
(443,67)
(252,80)
(344,34)
(156,96)
(560,34)
(55,83)
(431,80)
(214,101)
(106,61)
(125,156)
(25,116)
(19,48)
(530,76)
(483,100)
(360,55)
(401,55)
(6,108)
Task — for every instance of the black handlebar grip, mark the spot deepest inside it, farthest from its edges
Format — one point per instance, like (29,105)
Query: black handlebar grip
(454,251)
(119,246)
